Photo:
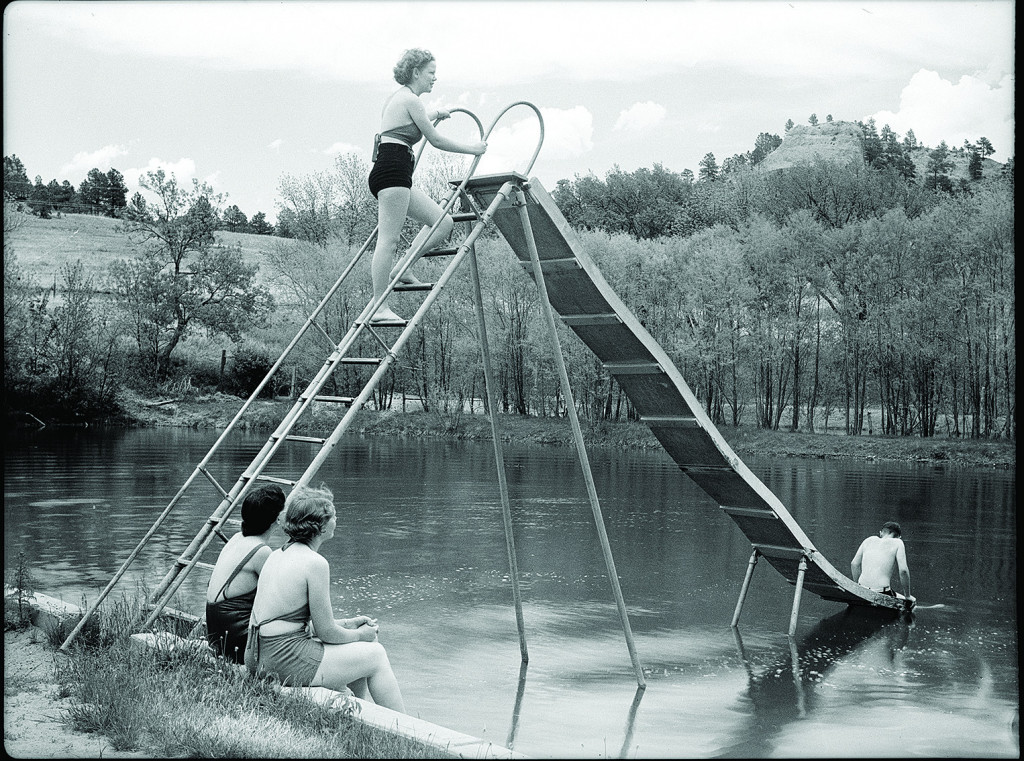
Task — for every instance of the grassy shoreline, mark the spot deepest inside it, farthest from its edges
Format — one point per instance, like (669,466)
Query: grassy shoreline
(216,411)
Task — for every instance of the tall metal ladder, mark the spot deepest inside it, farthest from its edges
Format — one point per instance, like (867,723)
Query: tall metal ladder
(341,355)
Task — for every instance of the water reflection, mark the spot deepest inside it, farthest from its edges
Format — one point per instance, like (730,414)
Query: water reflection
(784,691)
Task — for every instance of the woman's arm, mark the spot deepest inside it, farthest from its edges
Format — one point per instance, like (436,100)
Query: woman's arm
(318,585)
(419,115)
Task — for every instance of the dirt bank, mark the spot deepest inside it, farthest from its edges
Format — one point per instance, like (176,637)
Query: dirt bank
(33,706)
(216,410)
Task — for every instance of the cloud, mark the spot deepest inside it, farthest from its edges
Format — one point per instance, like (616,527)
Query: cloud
(341,147)
(640,116)
(567,133)
(608,41)
(275,144)
(184,170)
(937,109)
(101,159)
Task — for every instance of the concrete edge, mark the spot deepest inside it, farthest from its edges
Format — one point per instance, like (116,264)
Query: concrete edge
(49,611)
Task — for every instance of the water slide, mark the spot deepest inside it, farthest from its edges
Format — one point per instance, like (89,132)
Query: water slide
(586,303)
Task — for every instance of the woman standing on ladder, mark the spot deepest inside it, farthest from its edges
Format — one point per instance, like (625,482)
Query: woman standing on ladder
(404,121)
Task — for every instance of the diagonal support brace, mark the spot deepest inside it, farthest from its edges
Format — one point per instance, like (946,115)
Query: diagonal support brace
(588,476)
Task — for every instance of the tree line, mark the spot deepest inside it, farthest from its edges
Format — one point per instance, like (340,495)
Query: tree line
(788,299)
(100,193)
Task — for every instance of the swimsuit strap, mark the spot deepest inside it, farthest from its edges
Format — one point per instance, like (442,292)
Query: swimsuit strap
(408,133)
(298,616)
(238,569)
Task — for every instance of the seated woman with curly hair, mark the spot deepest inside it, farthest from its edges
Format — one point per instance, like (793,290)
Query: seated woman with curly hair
(293,590)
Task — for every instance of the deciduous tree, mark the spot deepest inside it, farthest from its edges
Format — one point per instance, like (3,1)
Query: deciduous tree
(181,278)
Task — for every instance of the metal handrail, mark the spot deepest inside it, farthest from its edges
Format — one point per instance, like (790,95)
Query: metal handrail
(540,119)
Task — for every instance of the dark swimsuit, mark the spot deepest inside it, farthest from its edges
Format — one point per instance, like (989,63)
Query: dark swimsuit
(227,620)
(293,657)
(393,163)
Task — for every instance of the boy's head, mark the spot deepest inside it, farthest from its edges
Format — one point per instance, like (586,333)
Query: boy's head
(892,528)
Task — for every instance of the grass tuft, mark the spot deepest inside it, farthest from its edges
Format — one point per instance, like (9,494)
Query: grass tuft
(186,703)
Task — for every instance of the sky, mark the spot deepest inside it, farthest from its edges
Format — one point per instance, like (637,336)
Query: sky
(241,94)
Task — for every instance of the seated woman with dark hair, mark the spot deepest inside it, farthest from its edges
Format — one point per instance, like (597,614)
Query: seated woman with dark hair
(295,589)
(232,588)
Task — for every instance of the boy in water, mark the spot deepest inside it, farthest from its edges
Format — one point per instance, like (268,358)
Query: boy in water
(872,566)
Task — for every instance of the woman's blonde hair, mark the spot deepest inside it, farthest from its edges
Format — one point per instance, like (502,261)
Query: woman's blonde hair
(307,512)
(414,58)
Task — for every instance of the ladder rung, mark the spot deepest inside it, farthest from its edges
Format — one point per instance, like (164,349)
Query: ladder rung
(750,512)
(778,551)
(183,562)
(413,287)
(633,368)
(441,252)
(212,480)
(214,522)
(554,265)
(387,323)
(465,216)
(334,399)
(361,360)
(177,614)
(275,480)
(670,421)
(591,319)
(307,439)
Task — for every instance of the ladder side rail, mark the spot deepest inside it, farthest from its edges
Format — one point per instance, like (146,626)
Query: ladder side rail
(175,577)
(332,440)
(255,467)
(310,321)
(128,561)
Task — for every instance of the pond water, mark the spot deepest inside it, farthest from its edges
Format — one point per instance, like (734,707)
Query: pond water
(420,545)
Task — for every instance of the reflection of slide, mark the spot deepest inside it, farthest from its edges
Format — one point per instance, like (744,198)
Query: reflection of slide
(783,691)
(587,304)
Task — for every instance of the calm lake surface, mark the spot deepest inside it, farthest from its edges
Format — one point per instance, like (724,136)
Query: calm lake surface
(420,545)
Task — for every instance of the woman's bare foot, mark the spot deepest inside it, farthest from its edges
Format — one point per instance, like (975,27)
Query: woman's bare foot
(385,316)
(407,279)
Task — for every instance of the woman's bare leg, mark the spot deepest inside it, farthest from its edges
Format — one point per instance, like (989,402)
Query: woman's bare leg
(360,689)
(425,211)
(344,665)
(393,206)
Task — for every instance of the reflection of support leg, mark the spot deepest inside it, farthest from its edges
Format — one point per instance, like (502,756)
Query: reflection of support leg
(631,723)
(746,585)
(506,512)
(742,652)
(801,571)
(588,476)
(518,707)
(798,683)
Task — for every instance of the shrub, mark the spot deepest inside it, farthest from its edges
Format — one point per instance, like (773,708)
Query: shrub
(249,367)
